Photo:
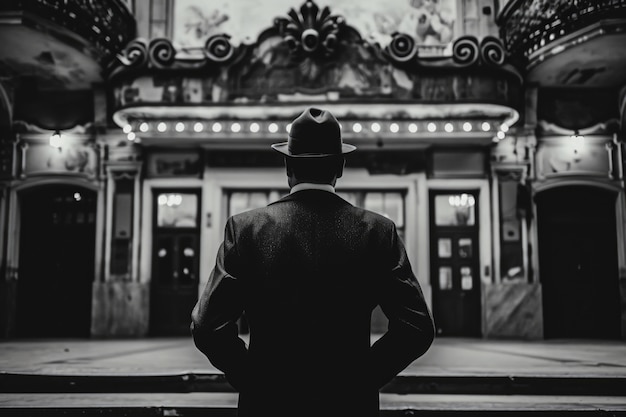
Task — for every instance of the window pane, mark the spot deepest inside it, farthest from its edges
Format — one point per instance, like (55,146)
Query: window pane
(177,210)
(374,202)
(390,205)
(455,210)
(444,247)
(187,259)
(465,247)
(241,201)
(394,208)
(164,270)
(466,278)
(445,278)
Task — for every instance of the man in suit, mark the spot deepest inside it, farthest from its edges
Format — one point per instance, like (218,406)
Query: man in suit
(307,271)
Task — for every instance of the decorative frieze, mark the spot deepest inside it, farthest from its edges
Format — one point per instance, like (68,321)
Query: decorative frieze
(317,44)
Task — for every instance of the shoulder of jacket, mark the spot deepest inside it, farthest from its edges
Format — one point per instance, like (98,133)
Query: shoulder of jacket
(373,217)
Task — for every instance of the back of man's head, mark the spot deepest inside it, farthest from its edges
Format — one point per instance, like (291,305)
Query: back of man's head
(323,170)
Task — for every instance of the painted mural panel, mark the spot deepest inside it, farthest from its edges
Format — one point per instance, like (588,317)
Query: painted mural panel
(71,159)
(430,22)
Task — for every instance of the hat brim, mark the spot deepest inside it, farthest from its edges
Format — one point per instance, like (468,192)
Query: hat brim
(284,149)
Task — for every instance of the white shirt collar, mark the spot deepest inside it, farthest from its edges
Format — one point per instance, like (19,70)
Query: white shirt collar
(312,186)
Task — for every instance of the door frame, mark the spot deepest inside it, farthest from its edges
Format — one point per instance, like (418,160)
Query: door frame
(620,222)
(485,231)
(150,185)
(14,226)
(620,219)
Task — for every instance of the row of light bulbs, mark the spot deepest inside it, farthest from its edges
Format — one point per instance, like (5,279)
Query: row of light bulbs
(273,127)
(56,139)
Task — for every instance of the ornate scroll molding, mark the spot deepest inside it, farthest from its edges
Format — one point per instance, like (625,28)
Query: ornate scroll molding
(160,53)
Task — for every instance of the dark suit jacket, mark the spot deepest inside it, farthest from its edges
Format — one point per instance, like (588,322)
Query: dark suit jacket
(307,271)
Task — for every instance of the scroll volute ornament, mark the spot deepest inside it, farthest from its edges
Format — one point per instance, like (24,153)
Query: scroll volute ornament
(311,32)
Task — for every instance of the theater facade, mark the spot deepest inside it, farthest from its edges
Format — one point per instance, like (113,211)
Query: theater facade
(492,133)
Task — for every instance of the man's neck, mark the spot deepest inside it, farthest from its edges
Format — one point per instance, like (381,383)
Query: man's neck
(312,186)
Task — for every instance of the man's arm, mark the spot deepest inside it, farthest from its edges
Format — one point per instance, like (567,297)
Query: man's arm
(411,329)
(214,318)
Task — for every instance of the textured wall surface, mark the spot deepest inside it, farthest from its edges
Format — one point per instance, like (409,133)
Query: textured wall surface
(120,309)
(513,310)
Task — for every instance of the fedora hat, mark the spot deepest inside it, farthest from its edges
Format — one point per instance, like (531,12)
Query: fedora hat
(315,133)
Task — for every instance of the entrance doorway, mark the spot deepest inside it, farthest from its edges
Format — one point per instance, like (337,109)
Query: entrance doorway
(56,262)
(175,262)
(454,262)
(578,262)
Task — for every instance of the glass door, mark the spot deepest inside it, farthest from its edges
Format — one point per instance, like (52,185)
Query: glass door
(455,262)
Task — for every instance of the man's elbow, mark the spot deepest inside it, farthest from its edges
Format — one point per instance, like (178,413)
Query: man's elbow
(422,337)
(200,336)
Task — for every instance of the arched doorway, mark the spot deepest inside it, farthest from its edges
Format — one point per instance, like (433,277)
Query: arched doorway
(56,261)
(578,262)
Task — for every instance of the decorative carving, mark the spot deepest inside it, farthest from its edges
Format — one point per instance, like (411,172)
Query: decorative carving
(218,48)
(310,32)
(135,55)
(492,51)
(465,50)
(402,48)
(161,52)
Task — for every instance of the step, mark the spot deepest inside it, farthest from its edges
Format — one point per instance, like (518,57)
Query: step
(403,384)
(224,404)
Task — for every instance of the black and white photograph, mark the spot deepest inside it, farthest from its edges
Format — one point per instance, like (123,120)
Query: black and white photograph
(312,208)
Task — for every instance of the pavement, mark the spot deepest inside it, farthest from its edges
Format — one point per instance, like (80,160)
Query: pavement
(446,357)
(168,376)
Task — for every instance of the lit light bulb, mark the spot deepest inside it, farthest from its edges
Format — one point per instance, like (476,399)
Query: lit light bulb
(56,140)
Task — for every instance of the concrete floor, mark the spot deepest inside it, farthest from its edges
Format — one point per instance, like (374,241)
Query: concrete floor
(569,361)
(447,357)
